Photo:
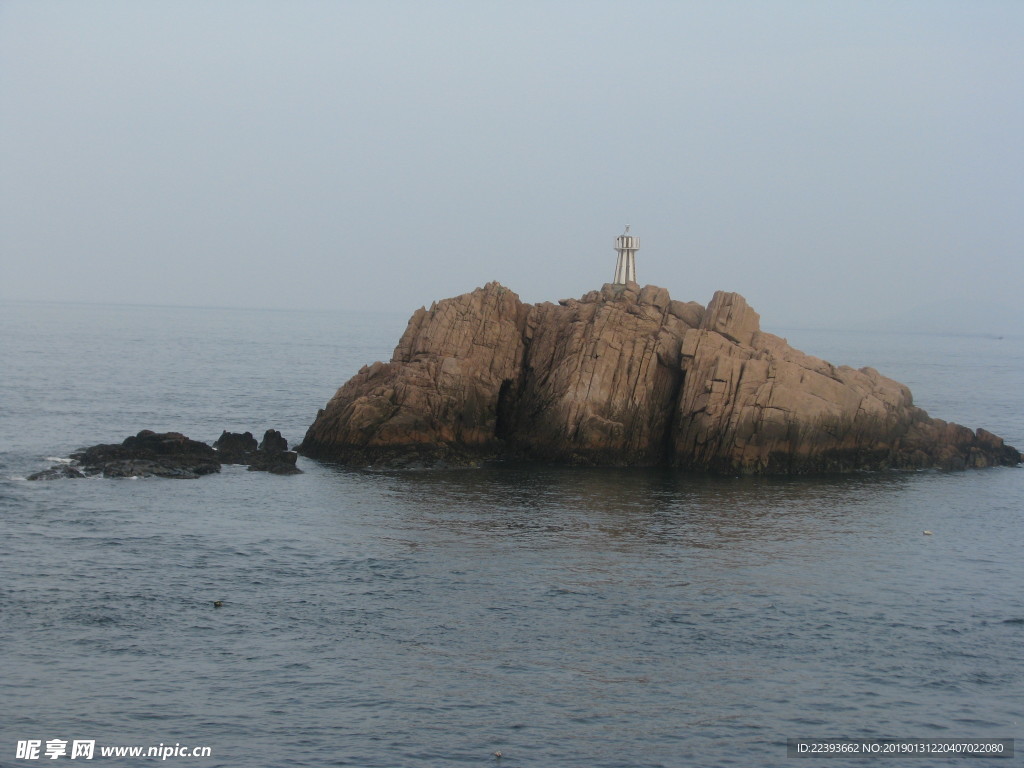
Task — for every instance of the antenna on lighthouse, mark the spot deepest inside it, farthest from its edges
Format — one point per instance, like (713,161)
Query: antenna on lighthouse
(625,266)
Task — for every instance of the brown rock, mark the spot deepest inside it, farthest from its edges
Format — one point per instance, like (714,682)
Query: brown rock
(437,400)
(729,314)
(627,376)
(768,408)
(599,380)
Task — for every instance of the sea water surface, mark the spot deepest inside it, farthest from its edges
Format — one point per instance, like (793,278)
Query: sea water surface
(562,617)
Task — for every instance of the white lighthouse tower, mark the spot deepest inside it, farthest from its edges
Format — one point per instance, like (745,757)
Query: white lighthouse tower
(625,267)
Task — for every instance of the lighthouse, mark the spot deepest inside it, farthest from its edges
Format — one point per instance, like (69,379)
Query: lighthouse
(625,267)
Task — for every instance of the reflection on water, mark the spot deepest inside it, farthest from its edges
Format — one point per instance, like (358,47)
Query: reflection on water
(711,612)
(642,506)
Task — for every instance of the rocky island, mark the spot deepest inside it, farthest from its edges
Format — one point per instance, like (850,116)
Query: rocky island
(627,376)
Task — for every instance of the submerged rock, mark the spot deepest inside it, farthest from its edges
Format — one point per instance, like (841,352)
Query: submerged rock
(57,472)
(628,376)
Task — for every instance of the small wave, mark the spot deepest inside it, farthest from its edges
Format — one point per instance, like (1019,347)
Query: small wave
(101,620)
(59,459)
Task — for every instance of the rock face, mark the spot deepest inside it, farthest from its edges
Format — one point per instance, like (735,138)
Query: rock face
(438,398)
(628,376)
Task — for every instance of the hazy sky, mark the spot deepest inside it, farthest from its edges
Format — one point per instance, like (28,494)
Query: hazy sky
(829,160)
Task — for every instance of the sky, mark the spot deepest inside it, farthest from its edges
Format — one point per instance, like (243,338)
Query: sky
(836,162)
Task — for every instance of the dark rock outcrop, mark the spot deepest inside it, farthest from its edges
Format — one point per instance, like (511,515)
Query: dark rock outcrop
(628,376)
(273,456)
(235,447)
(150,454)
(172,455)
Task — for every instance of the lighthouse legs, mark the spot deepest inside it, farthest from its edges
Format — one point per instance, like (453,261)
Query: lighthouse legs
(625,269)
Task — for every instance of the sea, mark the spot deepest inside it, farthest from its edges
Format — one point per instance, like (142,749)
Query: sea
(594,618)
